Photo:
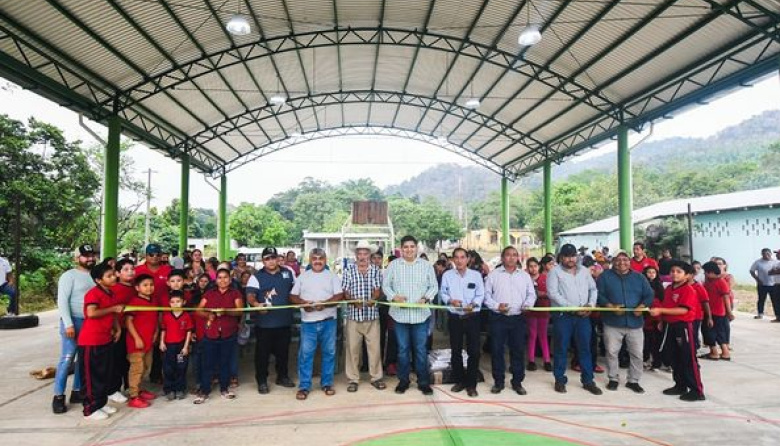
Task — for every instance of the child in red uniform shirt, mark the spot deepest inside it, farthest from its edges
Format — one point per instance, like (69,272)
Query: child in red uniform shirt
(142,333)
(719,293)
(678,312)
(703,318)
(100,330)
(175,339)
(123,290)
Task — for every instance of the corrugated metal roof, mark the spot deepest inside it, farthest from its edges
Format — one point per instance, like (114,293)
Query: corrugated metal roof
(174,67)
(699,205)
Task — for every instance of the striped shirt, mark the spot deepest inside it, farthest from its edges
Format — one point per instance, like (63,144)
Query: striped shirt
(361,287)
(412,280)
(516,289)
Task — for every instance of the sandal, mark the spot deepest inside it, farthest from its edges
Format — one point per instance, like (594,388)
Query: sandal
(379,385)
(302,395)
(710,357)
(352,387)
(329,390)
(725,358)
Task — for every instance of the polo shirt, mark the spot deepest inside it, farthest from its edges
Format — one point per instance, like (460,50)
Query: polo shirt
(680,297)
(640,265)
(226,325)
(97,330)
(175,328)
(717,291)
(122,295)
(702,297)
(277,286)
(160,282)
(317,287)
(469,288)
(145,323)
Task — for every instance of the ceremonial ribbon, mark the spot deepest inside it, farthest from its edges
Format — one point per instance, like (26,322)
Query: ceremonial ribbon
(131,308)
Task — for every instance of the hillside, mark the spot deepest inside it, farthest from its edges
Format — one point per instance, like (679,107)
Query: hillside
(740,143)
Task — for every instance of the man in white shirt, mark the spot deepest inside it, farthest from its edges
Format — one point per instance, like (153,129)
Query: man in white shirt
(318,322)
(761,270)
(508,292)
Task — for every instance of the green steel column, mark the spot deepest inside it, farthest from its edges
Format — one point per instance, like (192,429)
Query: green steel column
(184,203)
(504,212)
(547,185)
(222,243)
(625,191)
(110,189)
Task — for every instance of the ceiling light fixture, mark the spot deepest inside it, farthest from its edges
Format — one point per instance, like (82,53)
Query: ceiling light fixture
(238,25)
(277,100)
(530,35)
(472,103)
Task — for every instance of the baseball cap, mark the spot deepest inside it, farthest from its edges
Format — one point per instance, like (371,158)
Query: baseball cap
(153,248)
(568,250)
(85,250)
(269,252)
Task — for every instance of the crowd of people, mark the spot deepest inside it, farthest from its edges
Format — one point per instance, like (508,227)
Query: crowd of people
(135,322)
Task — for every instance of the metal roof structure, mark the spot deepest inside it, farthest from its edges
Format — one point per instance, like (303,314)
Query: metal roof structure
(748,199)
(182,83)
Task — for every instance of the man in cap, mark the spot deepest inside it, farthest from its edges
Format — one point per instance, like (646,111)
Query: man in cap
(271,286)
(570,284)
(71,288)
(621,287)
(159,270)
(362,281)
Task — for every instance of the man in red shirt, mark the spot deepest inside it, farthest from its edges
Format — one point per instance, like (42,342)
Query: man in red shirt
(678,312)
(159,270)
(719,294)
(141,336)
(640,261)
(99,331)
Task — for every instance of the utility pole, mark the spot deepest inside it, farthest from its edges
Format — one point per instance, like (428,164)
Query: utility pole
(147,232)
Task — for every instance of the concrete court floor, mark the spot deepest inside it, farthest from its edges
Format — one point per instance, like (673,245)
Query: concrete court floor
(743,405)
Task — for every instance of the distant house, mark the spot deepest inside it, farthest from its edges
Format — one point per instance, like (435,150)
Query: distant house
(734,226)
(487,240)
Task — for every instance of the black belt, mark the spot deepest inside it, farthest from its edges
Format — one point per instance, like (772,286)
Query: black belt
(321,320)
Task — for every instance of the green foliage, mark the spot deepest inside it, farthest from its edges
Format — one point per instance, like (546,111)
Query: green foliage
(257,225)
(427,221)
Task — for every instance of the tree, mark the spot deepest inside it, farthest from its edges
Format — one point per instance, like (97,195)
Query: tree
(257,225)
(427,221)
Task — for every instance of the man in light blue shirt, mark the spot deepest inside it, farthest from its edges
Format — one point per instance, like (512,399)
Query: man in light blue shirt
(571,285)
(508,292)
(463,290)
(411,280)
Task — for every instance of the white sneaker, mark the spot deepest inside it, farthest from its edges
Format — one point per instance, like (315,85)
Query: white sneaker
(118,397)
(108,409)
(98,415)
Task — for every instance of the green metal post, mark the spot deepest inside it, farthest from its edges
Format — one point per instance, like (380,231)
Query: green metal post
(184,203)
(625,191)
(547,185)
(110,189)
(222,243)
(504,212)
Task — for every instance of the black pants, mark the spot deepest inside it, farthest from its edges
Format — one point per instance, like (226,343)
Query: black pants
(511,331)
(155,373)
(696,331)
(681,346)
(121,366)
(653,339)
(468,326)
(387,337)
(174,370)
(272,341)
(763,292)
(96,370)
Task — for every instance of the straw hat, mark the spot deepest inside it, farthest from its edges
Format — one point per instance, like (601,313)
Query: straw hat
(363,244)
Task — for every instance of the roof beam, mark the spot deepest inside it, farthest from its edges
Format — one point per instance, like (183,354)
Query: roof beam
(376,58)
(300,58)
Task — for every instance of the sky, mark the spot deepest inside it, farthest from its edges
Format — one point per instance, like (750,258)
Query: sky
(386,160)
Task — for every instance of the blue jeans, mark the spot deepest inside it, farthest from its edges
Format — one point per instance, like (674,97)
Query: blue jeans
(313,333)
(68,350)
(174,371)
(565,326)
(217,354)
(417,336)
(9,291)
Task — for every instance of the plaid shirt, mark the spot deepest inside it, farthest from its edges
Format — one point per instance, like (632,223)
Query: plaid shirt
(412,280)
(361,287)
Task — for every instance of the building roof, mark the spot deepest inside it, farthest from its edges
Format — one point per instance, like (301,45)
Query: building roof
(700,205)
(346,235)
(308,69)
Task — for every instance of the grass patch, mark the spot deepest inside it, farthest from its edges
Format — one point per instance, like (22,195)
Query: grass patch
(31,303)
